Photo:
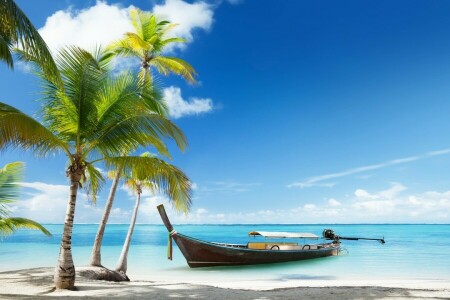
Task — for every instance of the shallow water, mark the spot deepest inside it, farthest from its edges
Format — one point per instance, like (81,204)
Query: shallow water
(410,252)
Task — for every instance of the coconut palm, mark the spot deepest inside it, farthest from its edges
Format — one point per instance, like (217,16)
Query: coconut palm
(16,30)
(148,43)
(10,175)
(148,172)
(91,118)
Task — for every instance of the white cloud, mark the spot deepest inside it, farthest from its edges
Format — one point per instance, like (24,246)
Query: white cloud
(189,16)
(318,180)
(46,203)
(333,202)
(179,107)
(96,25)
(103,23)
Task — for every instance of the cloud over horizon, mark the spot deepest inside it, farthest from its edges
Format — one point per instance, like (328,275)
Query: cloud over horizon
(46,203)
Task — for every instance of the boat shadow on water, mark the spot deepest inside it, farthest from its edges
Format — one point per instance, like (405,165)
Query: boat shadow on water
(282,271)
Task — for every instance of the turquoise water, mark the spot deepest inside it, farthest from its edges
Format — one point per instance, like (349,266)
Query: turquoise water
(410,252)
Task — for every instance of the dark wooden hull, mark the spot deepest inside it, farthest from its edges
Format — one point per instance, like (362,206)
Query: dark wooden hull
(205,254)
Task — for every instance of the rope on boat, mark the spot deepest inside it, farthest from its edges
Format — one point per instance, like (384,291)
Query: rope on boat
(169,244)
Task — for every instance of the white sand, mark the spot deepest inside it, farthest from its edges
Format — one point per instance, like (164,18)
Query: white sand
(37,284)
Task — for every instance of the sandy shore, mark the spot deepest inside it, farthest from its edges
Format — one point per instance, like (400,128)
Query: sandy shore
(37,284)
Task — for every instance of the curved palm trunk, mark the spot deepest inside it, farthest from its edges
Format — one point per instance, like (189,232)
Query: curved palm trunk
(65,270)
(96,259)
(122,263)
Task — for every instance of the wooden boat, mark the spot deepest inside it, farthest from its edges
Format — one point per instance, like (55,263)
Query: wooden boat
(200,253)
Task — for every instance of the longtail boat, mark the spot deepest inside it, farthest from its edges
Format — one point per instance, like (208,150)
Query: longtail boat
(200,253)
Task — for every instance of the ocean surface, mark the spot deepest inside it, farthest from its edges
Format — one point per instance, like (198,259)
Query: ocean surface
(411,252)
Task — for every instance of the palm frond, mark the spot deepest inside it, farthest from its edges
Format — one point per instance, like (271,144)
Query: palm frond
(169,41)
(166,65)
(18,29)
(72,111)
(149,25)
(166,26)
(136,43)
(9,225)
(136,21)
(20,130)
(133,131)
(5,51)
(93,182)
(121,47)
(159,175)
(10,176)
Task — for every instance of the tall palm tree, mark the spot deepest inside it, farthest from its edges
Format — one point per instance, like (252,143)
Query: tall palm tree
(10,175)
(148,43)
(16,30)
(149,172)
(91,118)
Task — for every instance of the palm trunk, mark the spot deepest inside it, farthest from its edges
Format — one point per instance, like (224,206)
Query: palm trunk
(96,259)
(65,270)
(122,263)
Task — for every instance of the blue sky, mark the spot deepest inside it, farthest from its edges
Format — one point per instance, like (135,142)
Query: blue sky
(305,111)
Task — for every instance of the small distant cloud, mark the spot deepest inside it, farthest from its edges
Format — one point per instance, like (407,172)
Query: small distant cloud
(229,186)
(305,184)
(179,107)
(333,202)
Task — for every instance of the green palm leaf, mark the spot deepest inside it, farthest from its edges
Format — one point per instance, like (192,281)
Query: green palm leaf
(93,182)
(10,175)
(166,65)
(5,51)
(20,130)
(9,225)
(156,175)
(17,30)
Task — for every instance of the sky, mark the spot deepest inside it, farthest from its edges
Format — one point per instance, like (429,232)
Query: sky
(304,111)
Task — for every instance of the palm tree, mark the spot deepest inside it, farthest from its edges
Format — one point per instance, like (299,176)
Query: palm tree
(91,118)
(16,30)
(149,172)
(10,175)
(148,43)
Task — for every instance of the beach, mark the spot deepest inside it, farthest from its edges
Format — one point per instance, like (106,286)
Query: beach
(38,284)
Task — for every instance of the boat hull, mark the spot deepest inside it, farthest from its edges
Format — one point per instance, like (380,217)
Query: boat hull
(199,253)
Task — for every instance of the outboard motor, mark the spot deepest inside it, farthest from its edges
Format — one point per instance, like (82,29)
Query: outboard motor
(329,234)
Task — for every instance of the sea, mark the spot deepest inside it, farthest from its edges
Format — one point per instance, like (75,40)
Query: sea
(416,252)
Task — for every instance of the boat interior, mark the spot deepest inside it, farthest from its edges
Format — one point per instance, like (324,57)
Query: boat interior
(277,246)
